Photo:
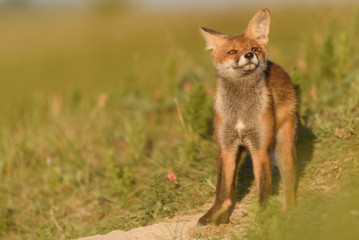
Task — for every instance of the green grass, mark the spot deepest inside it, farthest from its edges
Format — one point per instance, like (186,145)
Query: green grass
(95,112)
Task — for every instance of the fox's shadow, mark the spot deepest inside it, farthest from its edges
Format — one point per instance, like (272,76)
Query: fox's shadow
(304,146)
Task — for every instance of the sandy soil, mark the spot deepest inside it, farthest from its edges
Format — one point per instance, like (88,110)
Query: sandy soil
(184,227)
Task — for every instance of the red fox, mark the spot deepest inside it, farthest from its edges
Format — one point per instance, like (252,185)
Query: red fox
(255,110)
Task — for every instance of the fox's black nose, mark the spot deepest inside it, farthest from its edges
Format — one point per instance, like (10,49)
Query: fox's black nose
(248,55)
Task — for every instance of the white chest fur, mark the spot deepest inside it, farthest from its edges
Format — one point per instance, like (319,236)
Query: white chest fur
(240,126)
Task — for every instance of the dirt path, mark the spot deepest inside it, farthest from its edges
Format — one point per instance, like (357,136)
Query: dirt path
(184,227)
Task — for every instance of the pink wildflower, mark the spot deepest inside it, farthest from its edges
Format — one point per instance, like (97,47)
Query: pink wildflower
(171,177)
(186,87)
(209,90)
(158,94)
(101,100)
(313,93)
(337,132)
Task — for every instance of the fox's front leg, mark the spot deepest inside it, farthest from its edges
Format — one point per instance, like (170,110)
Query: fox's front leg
(262,174)
(226,167)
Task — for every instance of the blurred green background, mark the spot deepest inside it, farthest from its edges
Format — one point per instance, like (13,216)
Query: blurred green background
(100,100)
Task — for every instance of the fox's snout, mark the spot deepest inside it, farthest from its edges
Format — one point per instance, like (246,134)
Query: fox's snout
(249,55)
(248,61)
(243,63)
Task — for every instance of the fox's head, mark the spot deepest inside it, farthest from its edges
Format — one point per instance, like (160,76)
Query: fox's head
(240,55)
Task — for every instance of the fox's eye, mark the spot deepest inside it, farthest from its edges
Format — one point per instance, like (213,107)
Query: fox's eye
(232,52)
(254,49)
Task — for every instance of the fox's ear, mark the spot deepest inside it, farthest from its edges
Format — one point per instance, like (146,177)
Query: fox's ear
(258,27)
(213,38)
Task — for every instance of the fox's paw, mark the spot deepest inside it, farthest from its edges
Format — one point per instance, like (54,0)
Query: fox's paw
(207,218)
(214,217)
(204,220)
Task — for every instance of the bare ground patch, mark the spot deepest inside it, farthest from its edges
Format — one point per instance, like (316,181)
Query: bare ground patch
(184,227)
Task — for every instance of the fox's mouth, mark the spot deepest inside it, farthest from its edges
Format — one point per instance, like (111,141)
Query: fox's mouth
(248,63)
(235,69)
(250,66)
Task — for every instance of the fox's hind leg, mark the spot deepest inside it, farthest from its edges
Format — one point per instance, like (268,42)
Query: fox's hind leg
(285,154)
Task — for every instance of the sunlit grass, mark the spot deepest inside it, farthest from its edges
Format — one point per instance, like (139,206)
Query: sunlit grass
(96,109)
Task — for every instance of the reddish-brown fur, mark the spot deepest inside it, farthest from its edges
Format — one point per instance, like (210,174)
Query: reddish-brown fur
(241,42)
(278,118)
